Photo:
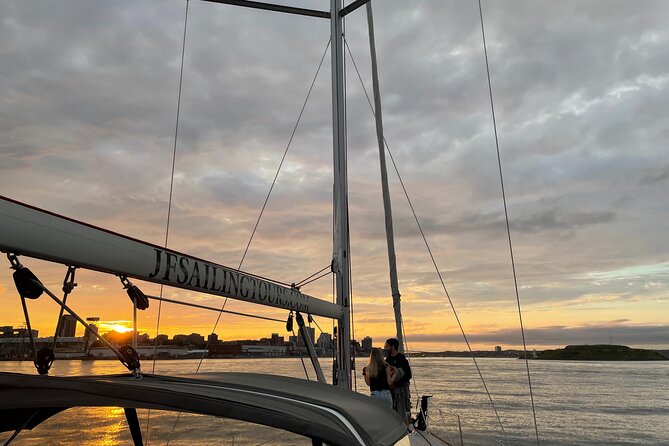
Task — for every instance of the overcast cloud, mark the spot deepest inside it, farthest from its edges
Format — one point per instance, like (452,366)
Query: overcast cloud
(88,97)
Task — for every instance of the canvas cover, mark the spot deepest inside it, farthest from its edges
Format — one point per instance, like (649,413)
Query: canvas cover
(331,414)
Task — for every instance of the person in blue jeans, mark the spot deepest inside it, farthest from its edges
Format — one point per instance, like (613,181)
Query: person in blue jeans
(379,376)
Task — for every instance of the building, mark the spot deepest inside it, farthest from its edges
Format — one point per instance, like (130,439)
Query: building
(147,351)
(68,326)
(19,347)
(196,339)
(276,339)
(143,339)
(498,348)
(212,339)
(161,339)
(191,339)
(180,339)
(311,332)
(367,344)
(325,341)
(225,350)
(264,350)
(91,331)
(10,332)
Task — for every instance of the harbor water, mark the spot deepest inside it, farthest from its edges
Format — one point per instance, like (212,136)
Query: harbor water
(577,403)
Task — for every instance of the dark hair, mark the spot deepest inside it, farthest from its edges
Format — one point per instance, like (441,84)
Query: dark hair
(394,343)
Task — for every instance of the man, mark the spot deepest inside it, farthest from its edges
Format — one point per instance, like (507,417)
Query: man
(401,394)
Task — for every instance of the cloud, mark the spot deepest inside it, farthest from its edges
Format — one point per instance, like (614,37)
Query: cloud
(88,99)
(620,331)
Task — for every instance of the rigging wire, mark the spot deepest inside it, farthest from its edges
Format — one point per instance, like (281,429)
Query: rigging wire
(350,268)
(348,221)
(169,202)
(204,307)
(333,344)
(285,152)
(429,250)
(241,262)
(315,279)
(408,356)
(311,318)
(283,158)
(506,217)
(301,282)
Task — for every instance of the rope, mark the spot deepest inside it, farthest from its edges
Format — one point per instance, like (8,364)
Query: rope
(508,230)
(29,328)
(169,204)
(429,250)
(301,358)
(68,286)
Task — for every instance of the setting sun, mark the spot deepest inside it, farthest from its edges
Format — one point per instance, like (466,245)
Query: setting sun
(117,326)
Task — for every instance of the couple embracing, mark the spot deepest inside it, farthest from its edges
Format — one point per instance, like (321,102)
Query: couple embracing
(388,379)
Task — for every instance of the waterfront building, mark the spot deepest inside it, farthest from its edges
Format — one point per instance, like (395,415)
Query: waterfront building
(367,344)
(277,340)
(325,341)
(68,326)
(19,347)
(311,332)
(89,333)
(10,332)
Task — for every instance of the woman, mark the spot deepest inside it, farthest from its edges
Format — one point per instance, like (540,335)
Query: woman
(379,376)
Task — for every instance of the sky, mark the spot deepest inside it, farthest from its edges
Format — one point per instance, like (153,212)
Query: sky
(88,105)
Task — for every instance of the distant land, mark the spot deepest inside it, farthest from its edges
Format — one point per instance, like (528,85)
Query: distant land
(570,352)
(601,353)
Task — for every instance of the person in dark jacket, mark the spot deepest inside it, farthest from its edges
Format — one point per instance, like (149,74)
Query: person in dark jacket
(402,376)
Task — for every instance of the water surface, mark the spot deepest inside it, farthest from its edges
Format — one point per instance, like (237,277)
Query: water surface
(577,403)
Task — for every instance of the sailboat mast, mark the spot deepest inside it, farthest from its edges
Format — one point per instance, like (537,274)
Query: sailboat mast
(341,248)
(392,263)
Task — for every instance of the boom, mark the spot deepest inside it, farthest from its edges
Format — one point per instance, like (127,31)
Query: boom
(34,232)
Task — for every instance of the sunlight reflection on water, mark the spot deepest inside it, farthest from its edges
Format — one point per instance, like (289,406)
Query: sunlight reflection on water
(585,403)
